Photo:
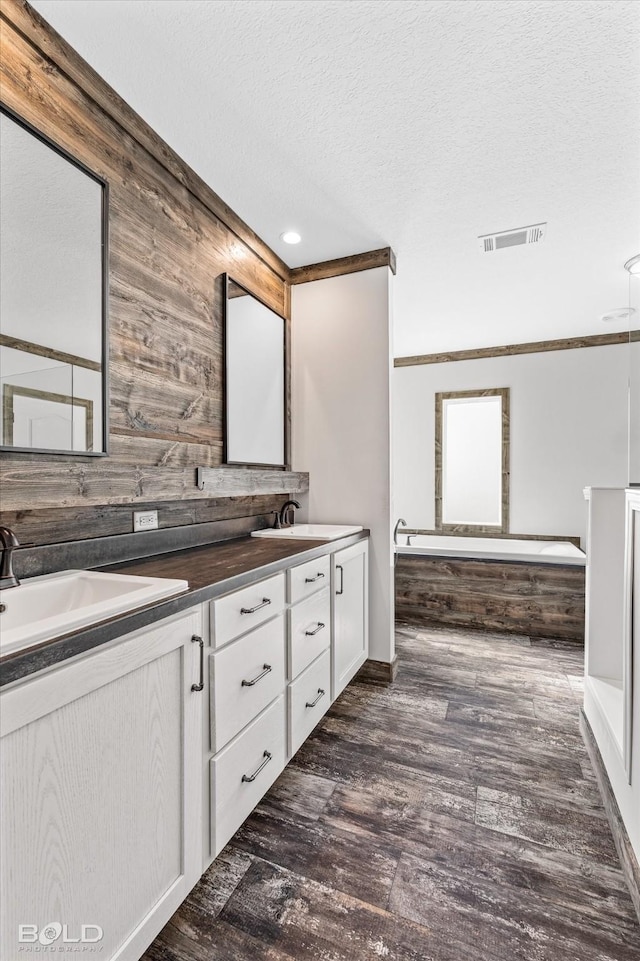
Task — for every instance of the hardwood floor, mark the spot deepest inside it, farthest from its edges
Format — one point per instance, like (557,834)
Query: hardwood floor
(451,816)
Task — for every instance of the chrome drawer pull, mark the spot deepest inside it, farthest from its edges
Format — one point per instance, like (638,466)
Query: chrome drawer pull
(252,610)
(318,628)
(266,669)
(310,580)
(248,778)
(313,703)
(196,639)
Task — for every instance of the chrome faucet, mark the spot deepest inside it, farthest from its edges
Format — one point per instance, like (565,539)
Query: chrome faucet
(9,542)
(286,516)
(402,521)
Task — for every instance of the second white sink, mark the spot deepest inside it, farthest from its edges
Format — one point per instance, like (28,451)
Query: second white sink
(42,608)
(312,532)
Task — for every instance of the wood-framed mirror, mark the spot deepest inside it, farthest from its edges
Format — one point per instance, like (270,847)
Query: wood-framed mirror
(53,292)
(472,461)
(255,380)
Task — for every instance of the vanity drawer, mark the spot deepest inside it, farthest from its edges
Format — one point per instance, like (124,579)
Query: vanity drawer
(309,631)
(244,771)
(304,691)
(243,610)
(245,677)
(308,578)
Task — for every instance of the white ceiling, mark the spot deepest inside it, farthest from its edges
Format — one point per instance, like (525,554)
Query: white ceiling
(418,124)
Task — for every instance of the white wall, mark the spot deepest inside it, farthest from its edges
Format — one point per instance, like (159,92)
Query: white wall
(568,431)
(341,376)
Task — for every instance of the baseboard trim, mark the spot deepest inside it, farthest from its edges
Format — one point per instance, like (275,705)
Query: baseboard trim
(630,866)
(378,672)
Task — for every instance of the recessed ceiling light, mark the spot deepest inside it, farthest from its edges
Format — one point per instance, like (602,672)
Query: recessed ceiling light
(291,237)
(618,315)
(633,265)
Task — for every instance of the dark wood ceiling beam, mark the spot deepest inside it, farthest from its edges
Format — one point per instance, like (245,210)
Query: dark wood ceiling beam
(510,350)
(384,257)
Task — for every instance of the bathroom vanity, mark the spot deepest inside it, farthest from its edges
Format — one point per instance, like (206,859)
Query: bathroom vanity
(126,767)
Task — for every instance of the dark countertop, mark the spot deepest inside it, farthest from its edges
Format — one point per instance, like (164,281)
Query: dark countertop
(211,571)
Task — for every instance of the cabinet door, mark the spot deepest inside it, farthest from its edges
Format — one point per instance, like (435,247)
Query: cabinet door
(100,765)
(350,578)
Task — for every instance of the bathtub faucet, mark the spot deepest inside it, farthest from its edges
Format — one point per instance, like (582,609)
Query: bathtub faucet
(8,543)
(401,521)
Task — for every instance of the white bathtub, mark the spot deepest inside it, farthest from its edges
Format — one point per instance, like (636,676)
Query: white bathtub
(492,548)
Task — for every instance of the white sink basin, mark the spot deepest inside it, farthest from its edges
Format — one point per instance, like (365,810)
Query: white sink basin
(42,608)
(311,532)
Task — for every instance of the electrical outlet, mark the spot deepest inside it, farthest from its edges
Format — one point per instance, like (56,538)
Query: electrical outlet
(145,520)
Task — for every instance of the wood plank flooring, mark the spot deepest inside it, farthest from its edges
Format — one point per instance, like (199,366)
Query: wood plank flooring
(452,816)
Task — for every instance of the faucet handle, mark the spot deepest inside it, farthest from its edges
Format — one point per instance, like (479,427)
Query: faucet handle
(8,539)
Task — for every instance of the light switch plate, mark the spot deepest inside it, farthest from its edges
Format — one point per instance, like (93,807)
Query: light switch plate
(145,520)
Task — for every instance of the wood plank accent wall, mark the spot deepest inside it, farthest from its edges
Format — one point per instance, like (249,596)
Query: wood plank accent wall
(171,239)
(53,525)
(509,350)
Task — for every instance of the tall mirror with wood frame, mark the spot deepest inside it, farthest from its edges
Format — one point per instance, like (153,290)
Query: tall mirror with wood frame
(255,379)
(472,461)
(53,251)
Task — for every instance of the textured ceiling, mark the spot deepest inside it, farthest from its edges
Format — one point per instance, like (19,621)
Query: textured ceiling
(412,123)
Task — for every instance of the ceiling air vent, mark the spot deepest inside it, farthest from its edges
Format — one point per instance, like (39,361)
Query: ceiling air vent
(512,238)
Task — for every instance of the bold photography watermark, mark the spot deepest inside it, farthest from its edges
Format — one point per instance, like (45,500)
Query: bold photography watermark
(57,937)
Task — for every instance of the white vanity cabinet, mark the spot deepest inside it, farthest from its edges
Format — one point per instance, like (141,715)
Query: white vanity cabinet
(100,761)
(247,670)
(350,575)
(281,650)
(310,637)
(125,771)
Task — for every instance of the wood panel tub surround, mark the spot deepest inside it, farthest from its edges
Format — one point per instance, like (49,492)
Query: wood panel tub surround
(539,600)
